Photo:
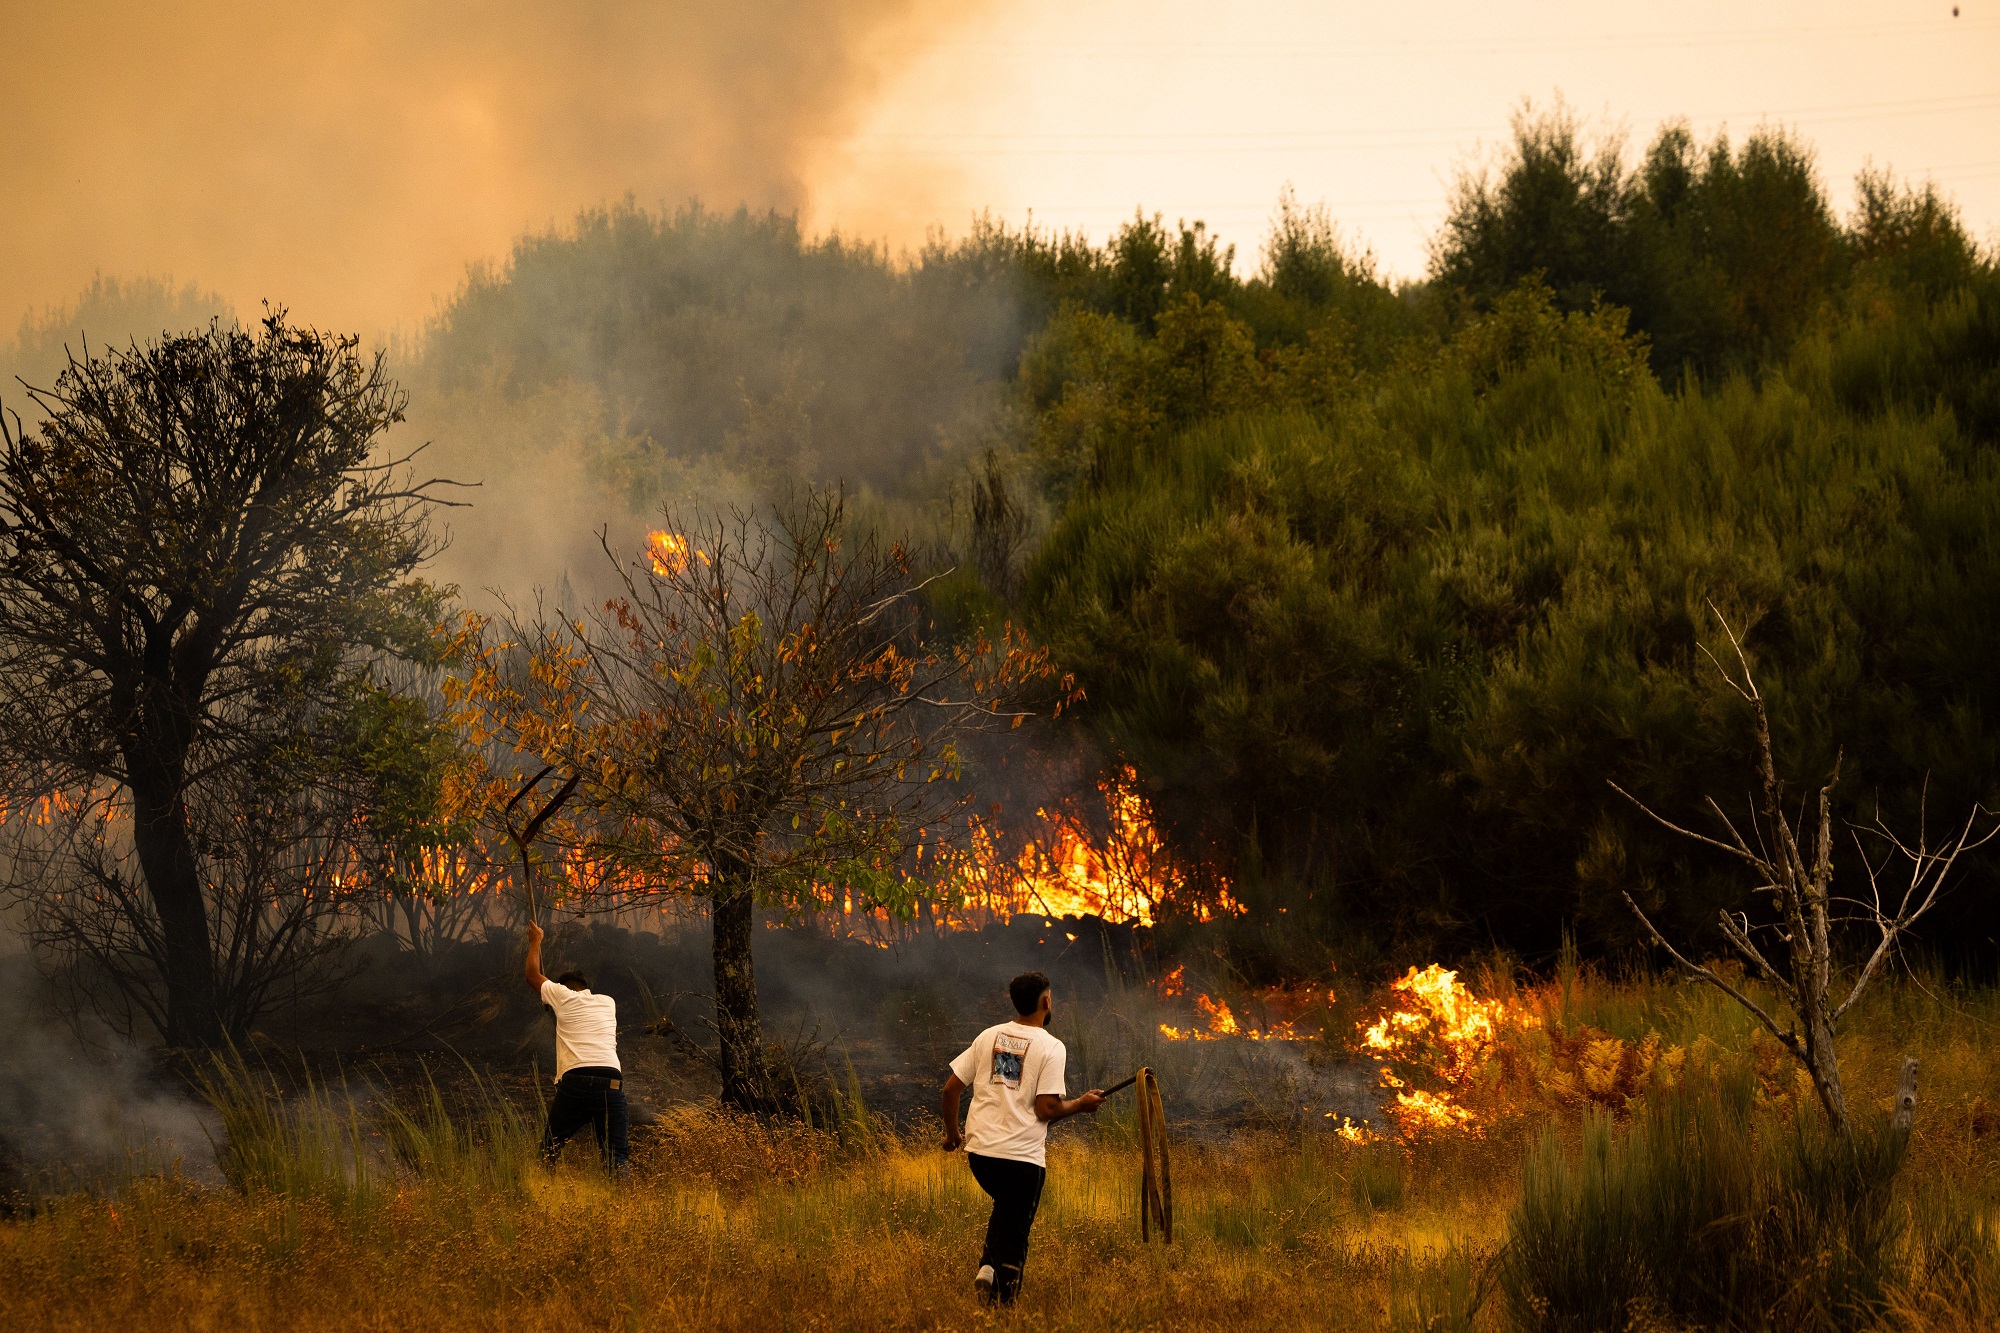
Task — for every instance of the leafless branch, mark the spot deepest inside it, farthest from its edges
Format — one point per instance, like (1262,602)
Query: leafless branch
(1715,979)
(1670,826)
(1799,876)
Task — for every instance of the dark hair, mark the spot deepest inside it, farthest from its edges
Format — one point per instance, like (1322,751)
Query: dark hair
(574,980)
(1027,990)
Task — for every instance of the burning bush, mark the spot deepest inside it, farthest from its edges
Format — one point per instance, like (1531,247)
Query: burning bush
(1457,1063)
(1446,1059)
(1438,1049)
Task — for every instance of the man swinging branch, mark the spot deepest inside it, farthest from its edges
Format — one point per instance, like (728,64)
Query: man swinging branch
(1015,1071)
(589,1082)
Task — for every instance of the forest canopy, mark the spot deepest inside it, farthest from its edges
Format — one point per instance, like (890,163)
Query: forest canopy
(1379,595)
(1375,584)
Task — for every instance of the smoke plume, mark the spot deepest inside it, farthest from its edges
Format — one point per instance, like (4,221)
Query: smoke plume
(349,160)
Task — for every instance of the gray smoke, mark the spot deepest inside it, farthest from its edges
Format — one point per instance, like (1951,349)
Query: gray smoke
(83,1108)
(350,160)
(109,314)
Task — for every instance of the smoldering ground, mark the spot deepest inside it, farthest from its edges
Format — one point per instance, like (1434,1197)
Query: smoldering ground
(80,1105)
(882,1016)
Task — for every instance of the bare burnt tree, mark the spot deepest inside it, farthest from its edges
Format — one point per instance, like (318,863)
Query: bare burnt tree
(759,718)
(1792,941)
(198,551)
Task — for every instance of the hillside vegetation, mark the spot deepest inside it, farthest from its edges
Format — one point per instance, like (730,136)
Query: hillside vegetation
(1376,585)
(1379,596)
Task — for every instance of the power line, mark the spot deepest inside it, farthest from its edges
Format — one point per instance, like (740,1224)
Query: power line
(1958,30)
(1141,142)
(1386,209)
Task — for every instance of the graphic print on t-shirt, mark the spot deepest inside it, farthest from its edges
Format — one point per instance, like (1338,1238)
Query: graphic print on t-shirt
(1008,1052)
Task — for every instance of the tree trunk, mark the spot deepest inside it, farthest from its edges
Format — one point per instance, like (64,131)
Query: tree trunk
(187,965)
(746,1082)
(1824,1065)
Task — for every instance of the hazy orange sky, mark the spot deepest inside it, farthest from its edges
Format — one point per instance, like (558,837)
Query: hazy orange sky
(349,159)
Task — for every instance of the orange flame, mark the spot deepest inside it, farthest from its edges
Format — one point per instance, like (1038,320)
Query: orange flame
(1222,1020)
(1444,1031)
(1066,870)
(668,551)
(1352,1132)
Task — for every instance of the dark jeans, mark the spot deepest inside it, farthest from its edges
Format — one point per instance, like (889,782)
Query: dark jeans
(1016,1189)
(589,1096)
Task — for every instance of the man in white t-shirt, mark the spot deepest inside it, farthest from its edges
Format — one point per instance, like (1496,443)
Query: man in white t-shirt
(1015,1071)
(589,1084)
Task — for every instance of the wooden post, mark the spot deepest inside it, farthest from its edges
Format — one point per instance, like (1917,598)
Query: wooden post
(1906,1098)
(1156,1182)
(1166,1164)
(1149,1189)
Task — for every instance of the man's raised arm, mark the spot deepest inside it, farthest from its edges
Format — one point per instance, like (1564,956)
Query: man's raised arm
(535,977)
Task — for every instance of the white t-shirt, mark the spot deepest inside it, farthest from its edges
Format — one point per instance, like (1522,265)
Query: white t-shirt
(586,1028)
(1007,1067)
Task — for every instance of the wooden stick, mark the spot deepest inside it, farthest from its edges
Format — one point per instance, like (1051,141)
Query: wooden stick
(1149,1185)
(1156,1182)
(1120,1087)
(523,840)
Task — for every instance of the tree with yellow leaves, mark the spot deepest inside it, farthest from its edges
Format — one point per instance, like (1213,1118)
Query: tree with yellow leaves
(762,717)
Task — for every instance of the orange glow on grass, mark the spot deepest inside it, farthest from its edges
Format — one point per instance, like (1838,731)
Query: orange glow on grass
(1220,1021)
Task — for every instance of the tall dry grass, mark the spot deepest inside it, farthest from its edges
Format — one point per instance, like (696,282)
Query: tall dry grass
(423,1213)
(728,1225)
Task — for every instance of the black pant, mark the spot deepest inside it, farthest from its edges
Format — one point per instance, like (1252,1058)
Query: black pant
(1016,1189)
(589,1096)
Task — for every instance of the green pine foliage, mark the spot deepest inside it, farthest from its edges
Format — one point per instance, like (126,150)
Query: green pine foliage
(1377,638)
(1726,256)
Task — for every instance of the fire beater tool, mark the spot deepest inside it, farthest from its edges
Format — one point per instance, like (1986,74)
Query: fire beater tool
(1156,1178)
(525,838)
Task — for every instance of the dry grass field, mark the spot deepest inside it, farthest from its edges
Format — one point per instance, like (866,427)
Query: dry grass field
(730,1224)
